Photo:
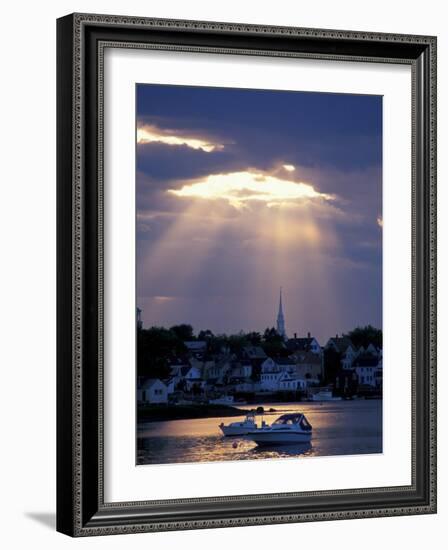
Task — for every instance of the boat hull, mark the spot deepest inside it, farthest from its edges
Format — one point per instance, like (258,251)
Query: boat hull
(233,430)
(279,438)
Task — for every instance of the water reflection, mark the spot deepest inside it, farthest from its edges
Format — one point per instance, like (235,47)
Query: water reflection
(272,451)
(343,427)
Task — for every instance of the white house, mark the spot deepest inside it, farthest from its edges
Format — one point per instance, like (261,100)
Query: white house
(192,377)
(240,371)
(269,381)
(348,357)
(285,363)
(288,382)
(366,375)
(379,373)
(216,371)
(152,390)
(268,366)
(366,367)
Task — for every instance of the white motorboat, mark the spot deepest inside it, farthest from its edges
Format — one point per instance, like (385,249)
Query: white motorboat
(286,430)
(240,428)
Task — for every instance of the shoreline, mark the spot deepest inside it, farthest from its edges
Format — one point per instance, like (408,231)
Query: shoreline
(162,413)
(158,413)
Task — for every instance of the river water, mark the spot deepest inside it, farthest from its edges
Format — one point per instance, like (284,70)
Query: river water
(339,428)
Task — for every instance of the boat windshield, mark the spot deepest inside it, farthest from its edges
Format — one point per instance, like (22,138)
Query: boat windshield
(305,425)
(289,419)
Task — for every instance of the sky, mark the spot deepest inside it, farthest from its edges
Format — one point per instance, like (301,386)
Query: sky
(240,192)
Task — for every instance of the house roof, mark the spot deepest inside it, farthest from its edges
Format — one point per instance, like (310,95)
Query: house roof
(341,343)
(185,370)
(255,352)
(302,344)
(195,345)
(149,382)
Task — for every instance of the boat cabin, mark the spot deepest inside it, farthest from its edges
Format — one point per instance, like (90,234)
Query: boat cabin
(293,419)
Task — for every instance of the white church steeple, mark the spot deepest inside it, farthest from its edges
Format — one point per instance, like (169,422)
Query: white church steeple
(280,318)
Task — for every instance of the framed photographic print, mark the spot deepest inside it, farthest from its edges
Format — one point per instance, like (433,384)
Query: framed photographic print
(246,274)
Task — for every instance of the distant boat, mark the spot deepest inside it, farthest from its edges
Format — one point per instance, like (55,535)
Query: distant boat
(324,395)
(223,400)
(286,430)
(240,428)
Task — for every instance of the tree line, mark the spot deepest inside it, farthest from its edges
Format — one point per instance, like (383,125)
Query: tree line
(157,347)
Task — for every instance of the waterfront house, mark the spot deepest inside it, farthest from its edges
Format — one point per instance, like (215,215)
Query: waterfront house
(152,391)
(379,374)
(339,343)
(269,381)
(289,382)
(308,365)
(366,366)
(240,371)
(192,379)
(269,375)
(268,366)
(285,364)
(308,343)
(348,356)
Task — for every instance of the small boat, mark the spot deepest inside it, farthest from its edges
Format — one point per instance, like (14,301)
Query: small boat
(240,428)
(286,430)
(324,395)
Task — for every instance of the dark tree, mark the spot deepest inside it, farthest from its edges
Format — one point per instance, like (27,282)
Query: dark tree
(183,332)
(218,343)
(155,348)
(273,343)
(206,335)
(254,338)
(271,335)
(363,336)
(237,342)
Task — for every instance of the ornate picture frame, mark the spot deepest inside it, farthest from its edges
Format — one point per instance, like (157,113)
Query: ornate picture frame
(81,506)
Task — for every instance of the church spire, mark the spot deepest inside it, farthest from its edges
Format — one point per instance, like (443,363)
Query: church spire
(280,318)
